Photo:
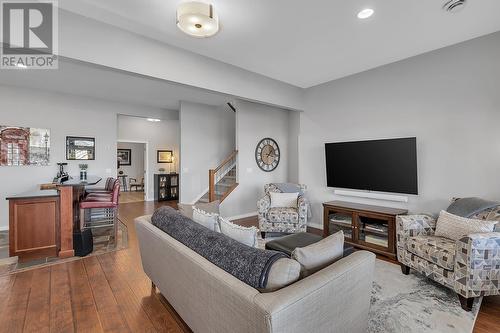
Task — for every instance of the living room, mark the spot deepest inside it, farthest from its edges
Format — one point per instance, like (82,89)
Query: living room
(258,144)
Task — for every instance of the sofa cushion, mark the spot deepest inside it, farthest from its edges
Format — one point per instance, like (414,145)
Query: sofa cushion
(245,235)
(283,215)
(284,271)
(455,227)
(438,250)
(316,256)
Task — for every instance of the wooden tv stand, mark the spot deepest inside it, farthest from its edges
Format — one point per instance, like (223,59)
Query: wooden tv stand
(366,227)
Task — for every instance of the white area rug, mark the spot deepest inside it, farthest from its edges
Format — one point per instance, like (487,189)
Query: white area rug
(412,303)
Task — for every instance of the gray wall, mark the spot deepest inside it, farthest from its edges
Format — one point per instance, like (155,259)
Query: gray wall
(449,99)
(253,123)
(207,138)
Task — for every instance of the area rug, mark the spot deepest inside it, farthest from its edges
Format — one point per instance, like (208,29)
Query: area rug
(412,303)
(103,243)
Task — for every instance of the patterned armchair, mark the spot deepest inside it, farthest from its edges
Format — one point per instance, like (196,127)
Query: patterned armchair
(469,266)
(286,220)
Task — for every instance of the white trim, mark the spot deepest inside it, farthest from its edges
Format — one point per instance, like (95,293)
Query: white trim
(6,228)
(315,225)
(372,195)
(242,216)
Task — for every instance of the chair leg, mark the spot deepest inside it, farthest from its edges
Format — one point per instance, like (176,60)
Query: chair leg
(466,303)
(82,218)
(153,285)
(405,269)
(263,234)
(115,226)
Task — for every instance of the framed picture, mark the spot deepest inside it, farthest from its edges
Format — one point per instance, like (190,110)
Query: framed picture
(124,156)
(24,146)
(164,156)
(80,148)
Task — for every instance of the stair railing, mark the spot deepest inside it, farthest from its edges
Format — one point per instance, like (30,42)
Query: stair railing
(217,174)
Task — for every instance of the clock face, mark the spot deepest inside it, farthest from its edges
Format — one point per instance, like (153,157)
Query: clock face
(267,154)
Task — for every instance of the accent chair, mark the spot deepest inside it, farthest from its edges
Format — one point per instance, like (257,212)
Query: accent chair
(282,219)
(470,266)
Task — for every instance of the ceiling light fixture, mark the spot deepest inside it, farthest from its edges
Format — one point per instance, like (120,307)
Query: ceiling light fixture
(365,13)
(154,120)
(197,19)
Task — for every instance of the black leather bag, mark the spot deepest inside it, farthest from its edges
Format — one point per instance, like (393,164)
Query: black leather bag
(83,243)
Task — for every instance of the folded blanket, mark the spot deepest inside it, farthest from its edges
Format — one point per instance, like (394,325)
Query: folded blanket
(248,264)
(468,207)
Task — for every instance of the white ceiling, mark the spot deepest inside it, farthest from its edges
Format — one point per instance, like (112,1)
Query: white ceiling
(87,80)
(305,43)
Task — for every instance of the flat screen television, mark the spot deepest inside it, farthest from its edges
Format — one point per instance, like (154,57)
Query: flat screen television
(388,165)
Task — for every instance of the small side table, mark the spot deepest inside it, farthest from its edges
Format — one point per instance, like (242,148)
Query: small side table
(124,182)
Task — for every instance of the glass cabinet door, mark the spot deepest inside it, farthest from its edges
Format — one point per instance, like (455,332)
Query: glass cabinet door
(372,231)
(338,220)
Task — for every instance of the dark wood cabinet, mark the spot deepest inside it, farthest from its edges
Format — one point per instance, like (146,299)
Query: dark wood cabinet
(366,227)
(166,187)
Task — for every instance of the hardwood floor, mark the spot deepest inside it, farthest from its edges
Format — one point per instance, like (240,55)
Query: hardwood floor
(111,293)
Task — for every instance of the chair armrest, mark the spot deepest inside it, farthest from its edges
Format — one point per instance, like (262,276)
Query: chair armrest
(132,179)
(263,205)
(302,206)
(477,271)
(415,225)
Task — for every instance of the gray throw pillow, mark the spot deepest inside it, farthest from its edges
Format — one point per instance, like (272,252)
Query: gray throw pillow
(317,256)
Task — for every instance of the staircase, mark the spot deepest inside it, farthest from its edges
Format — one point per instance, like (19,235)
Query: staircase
(221,180)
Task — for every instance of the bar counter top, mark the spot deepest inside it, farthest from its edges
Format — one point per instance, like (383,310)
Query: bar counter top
(34,194)
(91,180)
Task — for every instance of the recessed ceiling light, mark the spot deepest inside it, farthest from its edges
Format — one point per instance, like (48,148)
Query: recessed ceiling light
(365,13)
(197,19)
(154,120)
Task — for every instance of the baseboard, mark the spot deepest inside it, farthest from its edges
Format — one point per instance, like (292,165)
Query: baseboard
(4,228)
(199,197)
(315,225)
(242,216)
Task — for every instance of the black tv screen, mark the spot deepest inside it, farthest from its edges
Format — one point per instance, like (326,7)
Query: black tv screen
(388,165)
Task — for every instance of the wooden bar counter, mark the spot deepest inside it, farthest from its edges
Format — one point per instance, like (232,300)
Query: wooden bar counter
(41,221)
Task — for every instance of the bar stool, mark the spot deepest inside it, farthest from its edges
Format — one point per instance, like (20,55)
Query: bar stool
(108,188)
(99,210)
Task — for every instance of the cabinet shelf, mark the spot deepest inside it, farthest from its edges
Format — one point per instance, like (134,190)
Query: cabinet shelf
(166,186)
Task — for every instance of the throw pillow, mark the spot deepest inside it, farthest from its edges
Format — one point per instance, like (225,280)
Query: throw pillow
(208,220)
(283,272)
(317,256)
(209,207)
(282,200)
(455,227)
(244,235)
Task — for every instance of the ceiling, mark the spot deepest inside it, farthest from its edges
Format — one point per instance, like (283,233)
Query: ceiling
(305,43)
(87,80)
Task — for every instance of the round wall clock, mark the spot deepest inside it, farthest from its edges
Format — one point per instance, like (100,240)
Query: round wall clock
(267,154)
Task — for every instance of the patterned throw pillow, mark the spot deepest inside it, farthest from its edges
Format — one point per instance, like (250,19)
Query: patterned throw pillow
(455,227)
(283,200)
(208,220)
(244,235)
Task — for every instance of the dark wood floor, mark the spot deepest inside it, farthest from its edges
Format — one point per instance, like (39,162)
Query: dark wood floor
(111,293)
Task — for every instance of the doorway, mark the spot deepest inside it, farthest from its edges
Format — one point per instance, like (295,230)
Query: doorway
(132,170)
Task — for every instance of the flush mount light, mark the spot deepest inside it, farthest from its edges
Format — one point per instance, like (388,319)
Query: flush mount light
(197,19)
(365,13)
(154,120)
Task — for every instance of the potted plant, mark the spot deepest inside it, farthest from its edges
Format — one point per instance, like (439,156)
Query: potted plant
(83,171)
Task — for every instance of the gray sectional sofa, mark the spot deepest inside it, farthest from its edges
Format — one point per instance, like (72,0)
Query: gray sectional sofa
(334,299)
